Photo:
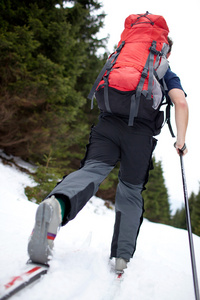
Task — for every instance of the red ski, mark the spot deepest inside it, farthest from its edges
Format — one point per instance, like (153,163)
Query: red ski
(17,283)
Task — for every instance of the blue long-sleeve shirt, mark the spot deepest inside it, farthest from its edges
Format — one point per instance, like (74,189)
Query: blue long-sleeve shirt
(172,80)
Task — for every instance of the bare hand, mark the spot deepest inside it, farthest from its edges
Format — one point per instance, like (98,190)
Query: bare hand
(181,149)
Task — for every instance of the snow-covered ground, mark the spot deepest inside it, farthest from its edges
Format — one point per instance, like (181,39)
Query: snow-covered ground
(80,270)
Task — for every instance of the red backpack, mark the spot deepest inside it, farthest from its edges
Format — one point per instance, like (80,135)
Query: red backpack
(129,83)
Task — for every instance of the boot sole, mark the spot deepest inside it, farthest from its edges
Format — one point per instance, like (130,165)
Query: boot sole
(38,247)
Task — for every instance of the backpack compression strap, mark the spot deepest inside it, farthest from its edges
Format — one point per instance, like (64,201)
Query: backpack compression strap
(135,99)
(107,67)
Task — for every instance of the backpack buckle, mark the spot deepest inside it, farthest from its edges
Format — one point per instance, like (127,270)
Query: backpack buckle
(154,51)
(144,73)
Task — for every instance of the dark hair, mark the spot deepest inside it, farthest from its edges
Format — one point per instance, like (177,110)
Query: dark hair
(170,42)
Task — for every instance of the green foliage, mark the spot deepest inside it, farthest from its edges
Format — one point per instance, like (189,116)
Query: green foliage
(179,219)
(48,63)
(48,57)
(195,214)
(156,203)
(46,178)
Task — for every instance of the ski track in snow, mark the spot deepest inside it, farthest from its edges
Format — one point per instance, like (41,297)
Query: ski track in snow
(80,269)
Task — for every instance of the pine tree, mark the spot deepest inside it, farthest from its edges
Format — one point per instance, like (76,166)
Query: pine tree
(179,219)
(156,203)
(195,214)
(48,57)
(45,49)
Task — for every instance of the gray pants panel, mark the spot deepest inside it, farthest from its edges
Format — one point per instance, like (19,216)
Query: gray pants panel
(129,211)
(82,184)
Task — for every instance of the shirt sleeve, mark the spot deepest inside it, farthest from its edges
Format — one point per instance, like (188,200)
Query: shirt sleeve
(172,81)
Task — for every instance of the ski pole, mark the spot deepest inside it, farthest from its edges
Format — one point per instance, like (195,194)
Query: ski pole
(188,221)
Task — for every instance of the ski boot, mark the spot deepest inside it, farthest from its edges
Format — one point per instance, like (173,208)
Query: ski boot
(120,265)
(47,222)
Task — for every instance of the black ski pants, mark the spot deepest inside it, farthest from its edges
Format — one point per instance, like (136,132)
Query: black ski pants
(112,141)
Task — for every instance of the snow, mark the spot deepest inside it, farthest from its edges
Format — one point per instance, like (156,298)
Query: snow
(80,269)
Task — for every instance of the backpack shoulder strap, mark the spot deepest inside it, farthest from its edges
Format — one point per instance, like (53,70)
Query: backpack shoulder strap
(107,67)
(168,107)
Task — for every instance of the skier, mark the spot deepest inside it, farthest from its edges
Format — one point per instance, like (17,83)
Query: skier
(111,141)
